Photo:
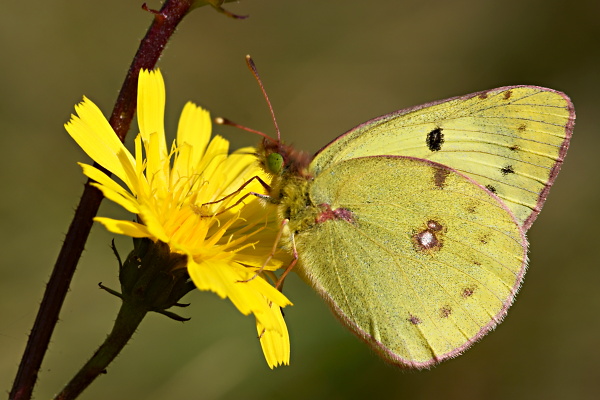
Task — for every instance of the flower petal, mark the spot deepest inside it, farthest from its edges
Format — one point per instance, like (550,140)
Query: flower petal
(118,197)
(228,279)
(121,227)
(111,189)
(153,223)
(157,166)
(275,343)
(195,129)
(95,136)
(151,107)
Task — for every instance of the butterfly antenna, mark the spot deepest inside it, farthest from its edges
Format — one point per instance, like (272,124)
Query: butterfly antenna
(252,68)
(225,121)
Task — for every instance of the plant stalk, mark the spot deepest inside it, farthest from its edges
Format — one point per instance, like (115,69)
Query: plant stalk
(151,47)
(129,318)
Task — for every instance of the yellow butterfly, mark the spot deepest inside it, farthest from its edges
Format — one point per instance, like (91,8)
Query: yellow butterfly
(412,225)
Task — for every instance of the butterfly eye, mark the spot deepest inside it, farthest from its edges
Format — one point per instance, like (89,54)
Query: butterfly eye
(275,163)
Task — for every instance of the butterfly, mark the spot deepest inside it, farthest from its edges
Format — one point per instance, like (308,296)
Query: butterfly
(412,225)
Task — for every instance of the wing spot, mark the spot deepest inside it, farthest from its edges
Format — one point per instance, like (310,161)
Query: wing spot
(434,225)
(435,139)
(429,239)
(507,170)
(468,292)
(414,319)
(491,188)
(445,312)
(483,96)
(522,128)
(439,177)
(507,94)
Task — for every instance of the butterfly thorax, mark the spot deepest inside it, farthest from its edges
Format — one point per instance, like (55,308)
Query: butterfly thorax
(295,203)
(290,183)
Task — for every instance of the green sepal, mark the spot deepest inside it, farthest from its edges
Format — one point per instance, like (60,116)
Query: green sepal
(152,277)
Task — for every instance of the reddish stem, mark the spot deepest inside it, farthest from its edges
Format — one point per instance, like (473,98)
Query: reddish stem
(151,47)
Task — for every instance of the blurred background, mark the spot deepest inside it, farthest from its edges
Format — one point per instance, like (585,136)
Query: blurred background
(328,66)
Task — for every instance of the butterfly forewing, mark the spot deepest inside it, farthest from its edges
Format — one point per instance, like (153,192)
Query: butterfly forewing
(511,140)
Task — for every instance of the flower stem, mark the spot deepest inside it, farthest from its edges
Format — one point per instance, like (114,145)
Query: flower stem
(162,28)
(129,318)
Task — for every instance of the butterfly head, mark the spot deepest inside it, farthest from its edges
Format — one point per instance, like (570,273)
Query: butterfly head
(280,159)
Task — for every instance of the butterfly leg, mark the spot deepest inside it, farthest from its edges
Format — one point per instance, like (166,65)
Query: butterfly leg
(262,196)
(279,284)
(271,254)
(255,177)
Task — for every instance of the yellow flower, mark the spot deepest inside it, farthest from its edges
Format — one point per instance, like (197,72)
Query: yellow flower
(179,196)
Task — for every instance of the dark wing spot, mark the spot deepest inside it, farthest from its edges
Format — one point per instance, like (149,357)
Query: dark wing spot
(445,312)
(414,320)
(507,170)
(491,188)
(439,177)
(522,128)
(426,240)
(514,148)
(435,139)
(430,239)
(483,96)
(507,94)
(434,226)
(468,292)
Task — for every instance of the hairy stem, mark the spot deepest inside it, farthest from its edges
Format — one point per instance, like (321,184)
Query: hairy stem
(129,318)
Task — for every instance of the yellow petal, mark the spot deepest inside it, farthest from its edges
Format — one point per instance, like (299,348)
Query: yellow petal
(195,129)
(228,279)
(183,173)
(151,107)
(94,135)
(111,189)
(275,343)
(128,203)
(153,223)
(157,166)
(238,162)
(128,228)
(215,154)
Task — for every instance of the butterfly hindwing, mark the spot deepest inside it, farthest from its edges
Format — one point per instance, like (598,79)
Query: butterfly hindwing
(417,259)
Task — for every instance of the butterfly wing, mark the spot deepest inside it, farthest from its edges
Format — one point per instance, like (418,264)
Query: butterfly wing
(417,259)
(511,140)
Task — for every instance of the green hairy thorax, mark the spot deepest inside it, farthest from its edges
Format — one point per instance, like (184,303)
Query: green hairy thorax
(290,183)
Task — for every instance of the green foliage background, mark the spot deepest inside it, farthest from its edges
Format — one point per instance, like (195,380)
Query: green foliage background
(328,66)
